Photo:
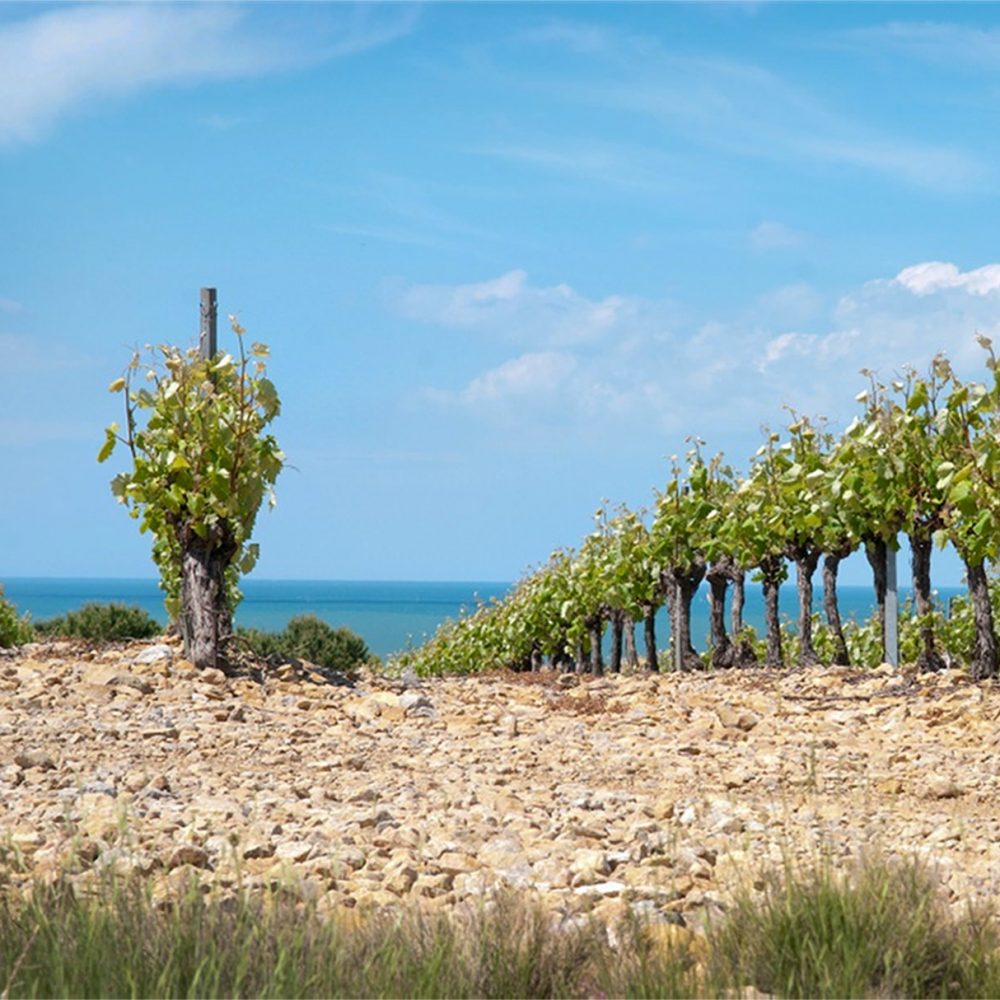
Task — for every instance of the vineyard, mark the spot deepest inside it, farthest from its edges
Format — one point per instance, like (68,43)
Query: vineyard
(921,459)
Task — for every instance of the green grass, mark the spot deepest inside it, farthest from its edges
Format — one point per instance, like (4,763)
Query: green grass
(883,933)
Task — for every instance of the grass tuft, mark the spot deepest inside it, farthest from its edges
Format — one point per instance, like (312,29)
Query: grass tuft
(882,930)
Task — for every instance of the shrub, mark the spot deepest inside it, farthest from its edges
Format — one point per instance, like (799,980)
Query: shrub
(102,622)
(310,638)
(14,630)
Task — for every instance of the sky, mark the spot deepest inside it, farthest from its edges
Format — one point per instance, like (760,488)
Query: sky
(508,257)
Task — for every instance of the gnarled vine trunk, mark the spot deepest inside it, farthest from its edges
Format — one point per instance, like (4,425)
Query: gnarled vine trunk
(718,577)
(205,614)
(743,655)
(770,570)
(920,546)
(876,552)
(690,660)
(536,659)
(984,652)
(739,579)
(681,583)
(617,624)
(581,658)
(631,653)
(806,559)
(561,660)
(595,630)
(649,630)
(831,567)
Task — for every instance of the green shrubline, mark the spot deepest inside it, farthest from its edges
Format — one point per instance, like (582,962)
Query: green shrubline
(310,638)
(202,465)
(15,630)
(102,622)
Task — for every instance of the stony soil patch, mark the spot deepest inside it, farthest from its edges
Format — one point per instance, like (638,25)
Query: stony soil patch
(656,793)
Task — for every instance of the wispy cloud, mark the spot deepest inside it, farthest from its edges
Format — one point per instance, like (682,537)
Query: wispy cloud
(64,58)
(396,208)
(585,39)
(10,305)
(222,123)
(383,234)
(612,164)
(19,353)
(29,432)
(774,236)
(741,109)
(960,47)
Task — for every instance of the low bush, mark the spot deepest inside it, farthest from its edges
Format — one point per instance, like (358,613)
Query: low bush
(102,623)
(15,630)
(308,637)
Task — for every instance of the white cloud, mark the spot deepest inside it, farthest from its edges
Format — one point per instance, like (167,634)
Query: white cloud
(509,305)
(936,276)
(10,306)
(528,375)
(774,236)
(824,348)
(658,371)
(56,61)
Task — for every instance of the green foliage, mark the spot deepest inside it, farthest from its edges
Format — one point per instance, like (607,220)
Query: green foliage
(202,463)
(15,630)
(884,932)
(922,458)
(310,638)
(102,623)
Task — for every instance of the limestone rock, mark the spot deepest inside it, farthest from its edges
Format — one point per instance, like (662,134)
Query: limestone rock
(154,654)
(188,854)
(35,758)
(942,788)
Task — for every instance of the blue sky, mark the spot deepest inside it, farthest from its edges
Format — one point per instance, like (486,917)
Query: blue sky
(507,257)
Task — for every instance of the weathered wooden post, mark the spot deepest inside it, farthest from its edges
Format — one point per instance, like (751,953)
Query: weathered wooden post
(208,336)
(676,629)
(891,606)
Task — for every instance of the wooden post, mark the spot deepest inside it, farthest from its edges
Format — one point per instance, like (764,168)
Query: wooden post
(208,338)
(891,607)
(676,628)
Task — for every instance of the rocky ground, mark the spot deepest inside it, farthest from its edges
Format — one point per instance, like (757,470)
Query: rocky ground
(657,793)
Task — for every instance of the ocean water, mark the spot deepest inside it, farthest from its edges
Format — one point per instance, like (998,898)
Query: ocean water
(389,615)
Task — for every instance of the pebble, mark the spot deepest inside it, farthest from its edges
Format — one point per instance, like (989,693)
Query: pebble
(444,790)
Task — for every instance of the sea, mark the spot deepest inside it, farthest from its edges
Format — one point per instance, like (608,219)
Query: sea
(390,615)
